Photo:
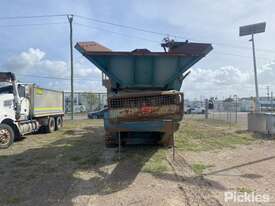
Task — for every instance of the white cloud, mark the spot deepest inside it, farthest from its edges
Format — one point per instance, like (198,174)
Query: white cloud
(267,74)
(84,70)
(228,80)
(24,60)
(223,81)
(224,76)
(33,62)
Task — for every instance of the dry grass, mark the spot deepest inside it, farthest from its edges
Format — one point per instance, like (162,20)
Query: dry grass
(199,168)
(77,152)
(204,135)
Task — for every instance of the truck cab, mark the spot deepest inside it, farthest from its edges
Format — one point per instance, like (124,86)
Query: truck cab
(6,103)
(18,116)
(7,100)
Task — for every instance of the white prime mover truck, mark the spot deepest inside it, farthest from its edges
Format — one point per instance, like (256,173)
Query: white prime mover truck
(26,108)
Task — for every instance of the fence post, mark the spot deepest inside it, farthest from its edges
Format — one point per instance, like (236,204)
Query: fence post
(206,108)
(227,116)
(272,101)
(213,115)
(230,117)
(236,108)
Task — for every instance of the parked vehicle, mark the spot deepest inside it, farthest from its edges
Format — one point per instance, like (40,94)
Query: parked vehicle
(195,110)
(77,109)
(198,110)
(26,108)
(144,101)
(187,109)
(97,114)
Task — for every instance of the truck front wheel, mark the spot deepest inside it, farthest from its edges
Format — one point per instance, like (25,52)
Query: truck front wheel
(51,125)
(6,136)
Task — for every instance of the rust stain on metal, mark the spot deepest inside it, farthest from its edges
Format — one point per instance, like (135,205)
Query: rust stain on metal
(92,47)
(172,111)
(142,99)
(139,106)
(180,49)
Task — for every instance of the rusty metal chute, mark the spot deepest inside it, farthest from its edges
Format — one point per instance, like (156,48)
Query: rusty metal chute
(143,69)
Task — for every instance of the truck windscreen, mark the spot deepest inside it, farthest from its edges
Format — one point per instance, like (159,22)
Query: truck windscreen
(6,89)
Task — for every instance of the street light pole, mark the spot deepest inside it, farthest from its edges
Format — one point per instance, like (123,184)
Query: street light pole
(255,72)
(70,19)
(253,29)
(272,100)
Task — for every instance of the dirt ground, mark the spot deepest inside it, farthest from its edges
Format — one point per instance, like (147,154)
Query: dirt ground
(240,161)
(73,167)
(247,168)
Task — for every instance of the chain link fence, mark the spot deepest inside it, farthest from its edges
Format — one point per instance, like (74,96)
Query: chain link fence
(231,111)
(85,102)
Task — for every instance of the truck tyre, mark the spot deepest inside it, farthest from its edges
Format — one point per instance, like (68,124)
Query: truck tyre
(51,125)
(6,136)
(18,136)
(58,123)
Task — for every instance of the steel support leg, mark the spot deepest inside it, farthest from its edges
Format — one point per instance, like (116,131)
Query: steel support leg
(119,145)
(174,151)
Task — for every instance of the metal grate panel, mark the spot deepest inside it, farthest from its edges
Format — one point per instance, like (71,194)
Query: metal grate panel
(141,101)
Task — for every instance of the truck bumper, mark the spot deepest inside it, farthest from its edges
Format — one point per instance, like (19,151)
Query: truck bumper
(139,131)
(140,126)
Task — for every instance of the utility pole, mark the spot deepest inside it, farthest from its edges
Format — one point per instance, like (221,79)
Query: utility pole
(70,19)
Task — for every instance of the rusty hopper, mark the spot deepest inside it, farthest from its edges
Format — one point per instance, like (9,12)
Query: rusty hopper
(142,69)
(144,102)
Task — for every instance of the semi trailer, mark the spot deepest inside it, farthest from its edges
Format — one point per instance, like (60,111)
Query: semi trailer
(26,108)
(145,104)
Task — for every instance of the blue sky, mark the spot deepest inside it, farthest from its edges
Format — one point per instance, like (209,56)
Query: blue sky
(44,50)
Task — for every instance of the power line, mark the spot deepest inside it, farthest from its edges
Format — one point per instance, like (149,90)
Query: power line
(56,78)
(240,56)
(38,24)
(244,48)
(125,27)
(164,34)
(114,32)
(122,34)
(138,37)
(32,17)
